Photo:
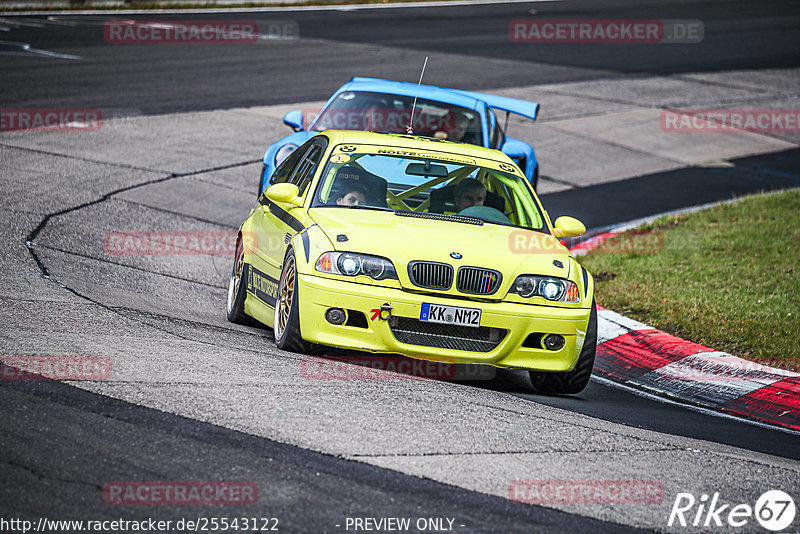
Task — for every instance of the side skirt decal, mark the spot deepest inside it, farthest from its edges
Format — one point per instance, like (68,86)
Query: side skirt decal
(261,286)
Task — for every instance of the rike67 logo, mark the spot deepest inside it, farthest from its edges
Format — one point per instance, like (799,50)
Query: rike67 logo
(774,510)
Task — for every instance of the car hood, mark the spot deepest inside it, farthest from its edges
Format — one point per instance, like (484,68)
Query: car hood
(511,251)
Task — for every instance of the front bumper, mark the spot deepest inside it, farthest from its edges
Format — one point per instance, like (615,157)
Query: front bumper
(317,295)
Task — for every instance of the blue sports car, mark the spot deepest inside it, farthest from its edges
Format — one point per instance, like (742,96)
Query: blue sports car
(385,106)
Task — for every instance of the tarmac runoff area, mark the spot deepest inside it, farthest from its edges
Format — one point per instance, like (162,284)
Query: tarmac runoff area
(160,319)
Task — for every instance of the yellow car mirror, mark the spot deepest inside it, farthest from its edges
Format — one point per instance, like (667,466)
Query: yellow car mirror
(286,193)
(568,227)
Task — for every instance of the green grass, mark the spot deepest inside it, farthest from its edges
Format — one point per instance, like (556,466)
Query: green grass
(727,277)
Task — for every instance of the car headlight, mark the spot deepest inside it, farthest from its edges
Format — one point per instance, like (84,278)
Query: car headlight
(555,289)
(352,264)
(283,153)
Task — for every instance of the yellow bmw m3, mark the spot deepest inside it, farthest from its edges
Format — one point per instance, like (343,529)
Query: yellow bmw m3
(409,245)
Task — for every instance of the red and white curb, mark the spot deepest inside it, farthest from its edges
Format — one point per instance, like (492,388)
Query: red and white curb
(636,355)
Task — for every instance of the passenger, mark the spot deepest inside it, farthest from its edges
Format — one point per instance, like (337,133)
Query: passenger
(468,193)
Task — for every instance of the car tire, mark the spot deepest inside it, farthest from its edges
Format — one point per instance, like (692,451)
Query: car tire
(574,381)
(287,316)
(236,287)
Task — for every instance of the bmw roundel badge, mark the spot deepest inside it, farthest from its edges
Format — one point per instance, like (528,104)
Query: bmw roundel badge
(455,255)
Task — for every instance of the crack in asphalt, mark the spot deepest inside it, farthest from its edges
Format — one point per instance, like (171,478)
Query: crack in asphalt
(31,238)
(40,475)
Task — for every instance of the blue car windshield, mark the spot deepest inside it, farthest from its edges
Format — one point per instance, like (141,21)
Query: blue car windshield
(371,177)
(387,113)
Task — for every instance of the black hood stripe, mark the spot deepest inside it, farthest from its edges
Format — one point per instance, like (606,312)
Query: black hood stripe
(284,215)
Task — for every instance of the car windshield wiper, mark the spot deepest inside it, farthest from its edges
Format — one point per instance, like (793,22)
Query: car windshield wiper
(439,217)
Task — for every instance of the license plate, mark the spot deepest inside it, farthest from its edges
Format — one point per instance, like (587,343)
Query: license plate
(438,313)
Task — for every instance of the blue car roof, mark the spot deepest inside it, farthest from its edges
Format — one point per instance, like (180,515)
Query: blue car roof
(468,99)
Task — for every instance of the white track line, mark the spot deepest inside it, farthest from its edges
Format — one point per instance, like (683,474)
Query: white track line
(26,50)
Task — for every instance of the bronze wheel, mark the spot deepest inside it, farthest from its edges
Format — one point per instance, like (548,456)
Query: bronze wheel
(285,296)
(287,306)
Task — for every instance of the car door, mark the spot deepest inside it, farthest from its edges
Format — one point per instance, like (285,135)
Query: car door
(277,222)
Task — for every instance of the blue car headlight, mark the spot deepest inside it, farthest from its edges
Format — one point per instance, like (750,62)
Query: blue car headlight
(352,264)
(550,288)
(283,153)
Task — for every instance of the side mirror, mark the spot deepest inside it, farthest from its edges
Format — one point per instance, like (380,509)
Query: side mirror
(294,120)
(285,193)
(568,227)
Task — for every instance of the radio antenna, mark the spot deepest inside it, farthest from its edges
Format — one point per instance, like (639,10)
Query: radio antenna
(410,127)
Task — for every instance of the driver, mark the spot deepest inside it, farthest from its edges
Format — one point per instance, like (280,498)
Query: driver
(468,193)
(458,131)
(353,196)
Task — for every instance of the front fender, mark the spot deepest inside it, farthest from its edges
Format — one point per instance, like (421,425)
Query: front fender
(247,235)
(586,285)
(308,245)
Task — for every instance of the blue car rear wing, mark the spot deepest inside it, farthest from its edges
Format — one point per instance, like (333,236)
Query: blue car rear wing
(504,103)
(512,105)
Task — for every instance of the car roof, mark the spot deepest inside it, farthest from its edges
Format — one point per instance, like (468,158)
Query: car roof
(428,92)
(413,141)
(467,99)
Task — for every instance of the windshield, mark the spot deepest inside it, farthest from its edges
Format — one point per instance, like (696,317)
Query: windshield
(427,182)
(385,113)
